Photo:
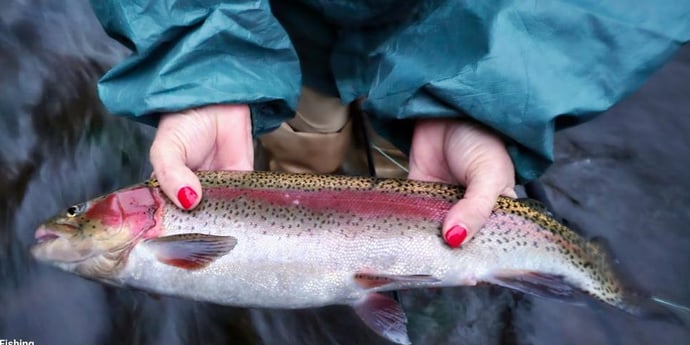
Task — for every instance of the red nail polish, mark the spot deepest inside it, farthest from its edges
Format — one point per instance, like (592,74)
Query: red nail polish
(187,197)
(455,236)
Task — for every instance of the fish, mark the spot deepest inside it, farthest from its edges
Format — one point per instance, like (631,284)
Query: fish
(291,241)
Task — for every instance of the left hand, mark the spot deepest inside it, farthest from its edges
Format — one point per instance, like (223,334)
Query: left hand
(466,153)
(211,137)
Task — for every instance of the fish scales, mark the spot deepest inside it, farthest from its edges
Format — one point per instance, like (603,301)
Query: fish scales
(288,220)
(305,243)
(264,239)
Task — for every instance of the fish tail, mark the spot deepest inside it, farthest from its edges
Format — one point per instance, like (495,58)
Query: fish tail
(654,308)
(674,305)
(614,286)
(680,313)
(629,295)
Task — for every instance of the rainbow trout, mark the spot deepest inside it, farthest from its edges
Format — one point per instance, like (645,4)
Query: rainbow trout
(271,240)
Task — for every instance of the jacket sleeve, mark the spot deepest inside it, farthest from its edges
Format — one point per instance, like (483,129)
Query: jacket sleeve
(524,68)
(189,53)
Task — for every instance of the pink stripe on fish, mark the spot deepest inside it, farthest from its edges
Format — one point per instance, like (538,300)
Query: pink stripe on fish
(359,202)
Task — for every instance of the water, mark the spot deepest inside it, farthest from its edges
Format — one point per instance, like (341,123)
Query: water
(623,176)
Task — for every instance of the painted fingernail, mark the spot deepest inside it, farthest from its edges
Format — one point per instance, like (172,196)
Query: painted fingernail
(455,236)
(187,197)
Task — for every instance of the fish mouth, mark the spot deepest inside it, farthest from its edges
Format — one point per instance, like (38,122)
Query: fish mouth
(44,235)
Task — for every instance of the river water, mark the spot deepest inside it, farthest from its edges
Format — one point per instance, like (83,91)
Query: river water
(623,176)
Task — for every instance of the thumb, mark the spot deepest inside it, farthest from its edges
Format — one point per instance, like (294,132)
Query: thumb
(177,181)
(470,214)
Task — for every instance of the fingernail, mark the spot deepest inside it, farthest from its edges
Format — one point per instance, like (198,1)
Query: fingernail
(187,197)
(455,236)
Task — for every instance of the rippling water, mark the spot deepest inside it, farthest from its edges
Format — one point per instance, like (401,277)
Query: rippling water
(623,176)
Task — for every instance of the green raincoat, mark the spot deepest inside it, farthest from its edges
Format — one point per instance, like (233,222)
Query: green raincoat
(524,68)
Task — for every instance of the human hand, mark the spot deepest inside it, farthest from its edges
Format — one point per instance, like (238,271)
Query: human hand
(214,137)
(463,152)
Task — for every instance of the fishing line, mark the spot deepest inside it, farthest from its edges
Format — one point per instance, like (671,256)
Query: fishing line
(680,307)
(391,159)
(358,117)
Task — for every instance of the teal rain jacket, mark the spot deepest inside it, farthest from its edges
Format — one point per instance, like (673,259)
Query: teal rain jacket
(524,68)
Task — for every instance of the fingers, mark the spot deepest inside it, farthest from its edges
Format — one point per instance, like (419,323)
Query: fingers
(479,159)
(470,214)
(177,181)
(235,149)
(489,173)
(427,162)
(213,137)
(466,153)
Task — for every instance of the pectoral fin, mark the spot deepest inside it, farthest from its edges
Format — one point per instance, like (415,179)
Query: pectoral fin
(384,316)
(190,251)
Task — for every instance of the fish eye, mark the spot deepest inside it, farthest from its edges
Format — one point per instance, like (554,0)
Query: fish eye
(76,210)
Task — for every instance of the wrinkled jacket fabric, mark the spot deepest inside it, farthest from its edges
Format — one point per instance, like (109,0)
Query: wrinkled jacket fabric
(523,68)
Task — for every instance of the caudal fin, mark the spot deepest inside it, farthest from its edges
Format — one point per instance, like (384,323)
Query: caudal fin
(560,288)
(655,308)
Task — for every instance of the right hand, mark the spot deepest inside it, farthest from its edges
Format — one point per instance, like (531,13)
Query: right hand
(466,153)
(213,137)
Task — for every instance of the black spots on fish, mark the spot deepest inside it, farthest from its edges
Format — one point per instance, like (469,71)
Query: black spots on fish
(525,210)
(312,182)
(530,211)
(152,183)
(347,234)
(303,220)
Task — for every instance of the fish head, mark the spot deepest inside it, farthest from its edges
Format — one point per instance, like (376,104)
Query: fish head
(95,236)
